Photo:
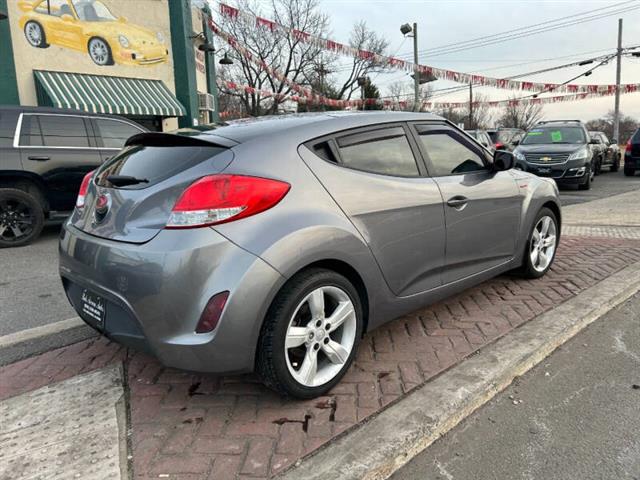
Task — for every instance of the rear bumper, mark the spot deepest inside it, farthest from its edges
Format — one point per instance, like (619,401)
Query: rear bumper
(156,292)
(631,161)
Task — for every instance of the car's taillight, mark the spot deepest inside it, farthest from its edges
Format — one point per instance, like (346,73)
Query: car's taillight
(84,186)
(628,149)
(499,145)
(224,198)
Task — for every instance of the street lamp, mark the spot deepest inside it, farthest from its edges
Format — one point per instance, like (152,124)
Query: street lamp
(206,47)
(409,31)
(225,60)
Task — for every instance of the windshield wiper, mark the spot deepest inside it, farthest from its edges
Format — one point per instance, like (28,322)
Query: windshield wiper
(125,180)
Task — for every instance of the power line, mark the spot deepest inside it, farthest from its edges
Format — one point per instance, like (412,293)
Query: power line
(505,37)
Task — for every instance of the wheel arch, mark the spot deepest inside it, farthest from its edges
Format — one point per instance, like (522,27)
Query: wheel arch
(555,208)
(25,181)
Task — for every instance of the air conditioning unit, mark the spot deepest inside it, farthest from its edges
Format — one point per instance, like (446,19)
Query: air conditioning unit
(206,101)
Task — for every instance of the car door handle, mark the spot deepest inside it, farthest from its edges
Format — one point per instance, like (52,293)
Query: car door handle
(38,158)
(458,201)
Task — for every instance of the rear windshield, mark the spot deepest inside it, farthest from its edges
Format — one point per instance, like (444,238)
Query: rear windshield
(546,135)
(501,136)
(153,164)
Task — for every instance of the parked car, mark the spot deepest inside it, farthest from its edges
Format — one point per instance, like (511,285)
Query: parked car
(632,155)
(272,245)
(559,149)
(606,153)
(89,26)
(483,139)
(505,138)
(44,154)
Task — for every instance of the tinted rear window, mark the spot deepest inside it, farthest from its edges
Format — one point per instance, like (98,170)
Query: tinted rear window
(7,128)
(154,164)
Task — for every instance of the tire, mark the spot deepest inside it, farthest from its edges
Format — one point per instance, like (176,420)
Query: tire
(35,34)
(276,364)
(100,52)
(629,172)
(529,269)
(587,183)
(22,211)
(615,166)
(598,167)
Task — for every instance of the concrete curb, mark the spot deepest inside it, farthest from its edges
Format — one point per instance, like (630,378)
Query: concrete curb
(26,343)
(379,447)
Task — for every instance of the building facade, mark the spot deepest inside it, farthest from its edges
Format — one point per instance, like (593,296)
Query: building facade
(138,59)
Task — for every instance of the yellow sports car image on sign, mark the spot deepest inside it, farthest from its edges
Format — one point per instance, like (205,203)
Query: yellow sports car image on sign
(89,26)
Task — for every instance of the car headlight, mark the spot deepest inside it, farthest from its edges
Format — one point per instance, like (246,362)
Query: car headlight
(581,154)
(160,37)
(519,156)
(124,41)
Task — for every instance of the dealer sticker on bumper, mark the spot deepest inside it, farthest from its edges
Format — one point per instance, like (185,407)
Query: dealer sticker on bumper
(93,307)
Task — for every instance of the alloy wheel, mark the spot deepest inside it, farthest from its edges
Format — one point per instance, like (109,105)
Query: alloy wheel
(320,336)
(99,51)
(33,33)
(543,244)
(16,220)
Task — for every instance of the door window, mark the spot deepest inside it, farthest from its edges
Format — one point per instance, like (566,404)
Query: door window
(386,152)
(448,155)
(30,133)
(113,133)
(63,131)
(55,7)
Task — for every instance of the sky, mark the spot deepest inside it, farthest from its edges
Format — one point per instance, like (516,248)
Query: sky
(441,22)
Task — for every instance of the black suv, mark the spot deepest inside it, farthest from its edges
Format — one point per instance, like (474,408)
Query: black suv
(632,155)
(559,149)
(44,154)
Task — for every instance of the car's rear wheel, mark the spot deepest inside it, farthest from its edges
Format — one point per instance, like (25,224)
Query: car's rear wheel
(598,167)
(35,35)
(100,52)
(21,218)
(541,245)
(629,172)
(310,334)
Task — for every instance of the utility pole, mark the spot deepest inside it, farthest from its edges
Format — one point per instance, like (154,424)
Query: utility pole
(322,71)
(416,74)
(616,115)
(470,106)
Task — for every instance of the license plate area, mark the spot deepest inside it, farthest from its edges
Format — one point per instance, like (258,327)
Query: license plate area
(93,308)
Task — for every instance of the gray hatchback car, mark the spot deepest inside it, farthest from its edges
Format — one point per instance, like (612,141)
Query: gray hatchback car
(272,245)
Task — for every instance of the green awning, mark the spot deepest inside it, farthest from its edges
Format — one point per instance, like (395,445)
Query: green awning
(106,94)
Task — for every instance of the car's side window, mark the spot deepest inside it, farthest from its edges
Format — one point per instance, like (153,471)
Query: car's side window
(604,139)
(30,133)
(63,131)
(448,154)
(56,8)
(385,151)
(114,133)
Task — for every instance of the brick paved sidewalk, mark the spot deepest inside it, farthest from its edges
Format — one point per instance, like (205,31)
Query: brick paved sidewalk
(190,426)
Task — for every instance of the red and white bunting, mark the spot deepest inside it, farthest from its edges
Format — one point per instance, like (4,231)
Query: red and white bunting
(397,63)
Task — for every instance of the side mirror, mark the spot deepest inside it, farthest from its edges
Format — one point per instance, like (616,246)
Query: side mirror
(68,18)
(502,160)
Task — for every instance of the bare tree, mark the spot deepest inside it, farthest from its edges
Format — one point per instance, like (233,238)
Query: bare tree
(480,114)
(283,52)
(522,115)
(628,126)
(402,91)
(362,38)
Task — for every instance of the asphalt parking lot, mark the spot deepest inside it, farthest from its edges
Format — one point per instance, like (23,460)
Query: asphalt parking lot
(31,294)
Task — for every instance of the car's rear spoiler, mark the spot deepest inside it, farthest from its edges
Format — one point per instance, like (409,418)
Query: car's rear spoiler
(159,139)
